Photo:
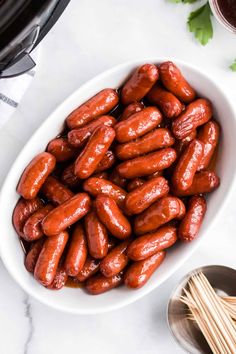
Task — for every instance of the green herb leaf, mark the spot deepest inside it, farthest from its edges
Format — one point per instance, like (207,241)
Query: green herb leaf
(189,1)
(233,65)
(199,22)
(183,1)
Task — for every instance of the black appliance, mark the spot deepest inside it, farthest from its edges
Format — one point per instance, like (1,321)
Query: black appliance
(23,24)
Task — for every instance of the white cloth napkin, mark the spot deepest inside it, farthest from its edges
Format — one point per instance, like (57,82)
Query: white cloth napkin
(12,90)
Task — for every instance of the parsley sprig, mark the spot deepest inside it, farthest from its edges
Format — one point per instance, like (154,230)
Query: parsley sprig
(199,22)
(233,65)
(183,1)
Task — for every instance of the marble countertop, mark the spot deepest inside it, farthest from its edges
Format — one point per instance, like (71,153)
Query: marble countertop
(91,37)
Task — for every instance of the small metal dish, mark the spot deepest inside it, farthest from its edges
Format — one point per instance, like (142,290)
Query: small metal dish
(220,17)
(186,332)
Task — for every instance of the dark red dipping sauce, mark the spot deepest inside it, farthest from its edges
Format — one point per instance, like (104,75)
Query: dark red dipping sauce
(228,10)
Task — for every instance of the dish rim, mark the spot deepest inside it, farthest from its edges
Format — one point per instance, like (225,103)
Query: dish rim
(124,301)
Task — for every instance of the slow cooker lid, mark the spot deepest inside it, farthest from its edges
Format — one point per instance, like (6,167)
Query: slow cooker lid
(25,23)
(16,15)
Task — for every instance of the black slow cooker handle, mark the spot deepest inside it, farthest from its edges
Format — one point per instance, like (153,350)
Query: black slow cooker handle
(23,62)
(21,66)
(60,7)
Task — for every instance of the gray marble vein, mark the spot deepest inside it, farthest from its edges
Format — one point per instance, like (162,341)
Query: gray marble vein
(29,317)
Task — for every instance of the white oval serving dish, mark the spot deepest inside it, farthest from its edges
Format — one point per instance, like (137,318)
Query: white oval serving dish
(77,301)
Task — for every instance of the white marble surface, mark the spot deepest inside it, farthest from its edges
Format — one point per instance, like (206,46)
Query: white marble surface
(93,36)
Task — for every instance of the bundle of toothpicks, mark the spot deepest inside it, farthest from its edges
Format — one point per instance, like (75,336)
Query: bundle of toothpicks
(214,315)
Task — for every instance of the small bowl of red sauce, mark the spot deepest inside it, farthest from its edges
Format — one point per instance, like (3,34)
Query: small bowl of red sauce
(225,12)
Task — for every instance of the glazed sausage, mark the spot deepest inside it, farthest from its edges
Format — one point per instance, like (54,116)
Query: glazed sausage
(181,144)
(48,260)
(138,124)
(115,178)
(99,284)
(140,272)
(98,105)
(203,182)
(69,178)
(55,191)
(196,113)
(174,81)
(107,162)
(77,252)
(187,165)
(155,174)
(90,268)
(112,242)
(78,137)
(101,175)
(23,210)
(33,229)
(209,135)
(147,245)
(33,254)
(148,164)
(131,109)
(66,214)
(59,280)
(191,223)
(142,197)
(72,181)
(182,210)
(61,149)
(35,175)
(115,261)
(96,236)
(112,217)
(94,151)
(135,183)
(159,213)
(95,186)
(170,106)
(139,83)
(125,183)
(156,139)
